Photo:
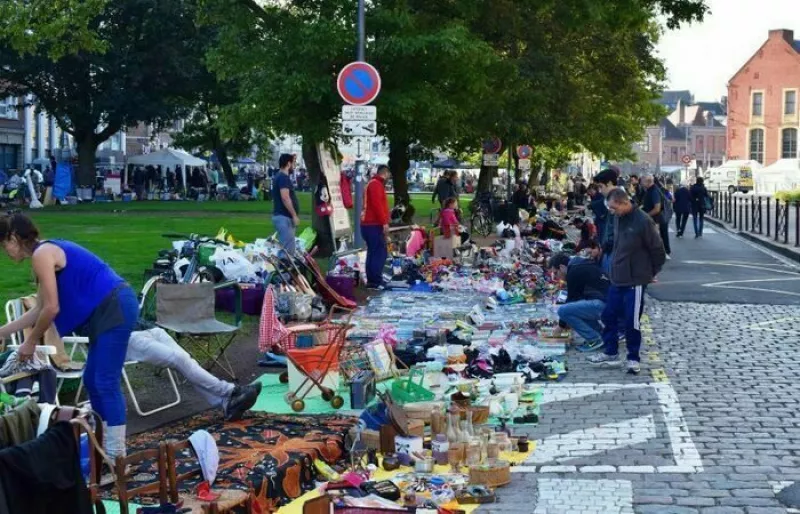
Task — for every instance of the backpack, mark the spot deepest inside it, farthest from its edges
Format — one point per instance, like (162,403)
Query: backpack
(667,210)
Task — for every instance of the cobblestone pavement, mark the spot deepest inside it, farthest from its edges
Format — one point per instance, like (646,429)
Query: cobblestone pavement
(709,426)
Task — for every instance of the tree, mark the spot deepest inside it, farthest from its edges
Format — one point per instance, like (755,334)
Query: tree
(144,71)
(215,125)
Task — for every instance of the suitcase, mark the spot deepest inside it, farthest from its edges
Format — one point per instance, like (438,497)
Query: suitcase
(344,285)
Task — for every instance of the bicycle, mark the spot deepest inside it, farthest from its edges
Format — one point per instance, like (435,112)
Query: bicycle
(482,214)
(178,267)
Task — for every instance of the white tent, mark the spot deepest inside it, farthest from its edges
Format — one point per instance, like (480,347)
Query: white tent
(783,175)
(168,158)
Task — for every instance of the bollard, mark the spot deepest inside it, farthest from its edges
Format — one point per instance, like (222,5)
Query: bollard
(777,218)
(796,224)
(747,218)
(768,218)
(760,217)
(734,212)
(786,225)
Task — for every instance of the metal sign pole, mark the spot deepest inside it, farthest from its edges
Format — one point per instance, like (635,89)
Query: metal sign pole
(358,241)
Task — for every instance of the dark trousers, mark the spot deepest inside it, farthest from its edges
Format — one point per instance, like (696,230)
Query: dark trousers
(626,304)
(698,218)
(47,386)
(680,222)
(663,230)
(376,252)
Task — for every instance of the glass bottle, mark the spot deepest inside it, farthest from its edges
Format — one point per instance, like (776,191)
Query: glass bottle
(464,436)
(470,428)
(453,433)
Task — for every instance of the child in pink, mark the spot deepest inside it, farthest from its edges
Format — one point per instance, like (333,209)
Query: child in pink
(448,221)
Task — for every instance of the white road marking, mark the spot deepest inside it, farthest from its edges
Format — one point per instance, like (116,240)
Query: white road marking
(757,267)
(596,440)
(591,441)
(568,496)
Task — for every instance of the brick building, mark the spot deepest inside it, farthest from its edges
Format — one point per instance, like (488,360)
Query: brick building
(763,116)
(12,135)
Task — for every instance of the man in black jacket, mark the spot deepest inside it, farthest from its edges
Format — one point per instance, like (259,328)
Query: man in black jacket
(637,258)
(587,287)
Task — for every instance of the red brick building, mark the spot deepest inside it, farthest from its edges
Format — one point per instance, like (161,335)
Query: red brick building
(763,118)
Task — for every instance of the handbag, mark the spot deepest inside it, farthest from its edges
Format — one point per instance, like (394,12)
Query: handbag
(708,204)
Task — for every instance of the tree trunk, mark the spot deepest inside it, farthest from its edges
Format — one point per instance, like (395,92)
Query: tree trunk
(87,148)
(485,178)
(399,163)
(224,161)
(321,224)
(517,171)
(533,177)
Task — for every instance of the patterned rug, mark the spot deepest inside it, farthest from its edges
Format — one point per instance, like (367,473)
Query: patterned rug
(272,454)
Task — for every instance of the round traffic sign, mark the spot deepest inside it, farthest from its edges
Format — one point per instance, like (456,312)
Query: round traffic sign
(686,159)
(359,83)
(524,151)
(492,145)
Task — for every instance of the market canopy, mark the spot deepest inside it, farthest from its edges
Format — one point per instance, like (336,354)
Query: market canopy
(783,175)
(453,164)
(168,157)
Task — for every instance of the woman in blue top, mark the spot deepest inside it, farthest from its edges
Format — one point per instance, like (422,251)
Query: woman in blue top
(78,292)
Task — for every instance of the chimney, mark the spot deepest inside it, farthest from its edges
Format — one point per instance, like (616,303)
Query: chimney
(785,34)
(681,113)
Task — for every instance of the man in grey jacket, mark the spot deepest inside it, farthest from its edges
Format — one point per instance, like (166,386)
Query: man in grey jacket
(637,258)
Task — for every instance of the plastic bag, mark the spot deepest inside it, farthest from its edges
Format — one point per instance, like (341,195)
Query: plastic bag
(234,265)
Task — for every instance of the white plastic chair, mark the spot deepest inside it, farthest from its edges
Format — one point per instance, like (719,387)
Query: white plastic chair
(15,309)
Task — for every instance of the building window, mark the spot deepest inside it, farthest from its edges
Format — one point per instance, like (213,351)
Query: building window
(790,103)
(711,147)
(758,104)
(8,108)
(789,143)
(645,144)
(673,157)
(757,145)
(698,145)
(721,145)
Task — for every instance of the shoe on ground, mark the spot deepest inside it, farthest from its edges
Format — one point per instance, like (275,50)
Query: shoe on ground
(241,400)
(669,258)
(376,287)
(621,338)
(634,368)
(601,359)
(590,346)
(697,236)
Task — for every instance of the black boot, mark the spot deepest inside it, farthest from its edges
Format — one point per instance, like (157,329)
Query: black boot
(242,398)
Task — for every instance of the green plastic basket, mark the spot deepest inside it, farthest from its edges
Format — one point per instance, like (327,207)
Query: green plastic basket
(407,390)
(204,253)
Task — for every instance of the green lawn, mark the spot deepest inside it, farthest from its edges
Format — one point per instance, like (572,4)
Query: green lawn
(128,235)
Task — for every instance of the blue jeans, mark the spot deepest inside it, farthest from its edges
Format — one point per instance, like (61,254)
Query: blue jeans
(376,252)
(583,317)
(626,302)
(103,370)
(285,227)
(697,219)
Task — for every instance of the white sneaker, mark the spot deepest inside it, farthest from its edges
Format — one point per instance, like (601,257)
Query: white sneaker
(669,258)
(634,367)
(601,359)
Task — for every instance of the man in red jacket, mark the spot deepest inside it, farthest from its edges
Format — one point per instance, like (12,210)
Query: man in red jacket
(375,226)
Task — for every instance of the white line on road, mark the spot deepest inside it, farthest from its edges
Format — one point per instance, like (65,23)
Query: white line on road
(563,495)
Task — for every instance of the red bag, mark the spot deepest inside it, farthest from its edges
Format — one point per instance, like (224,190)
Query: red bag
(346,190)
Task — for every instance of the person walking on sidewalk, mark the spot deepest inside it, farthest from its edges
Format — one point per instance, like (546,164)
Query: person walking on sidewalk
(375,226)
(700,203)
(637,258)
(285,205)
(653,204)
(587,287)
(682,208)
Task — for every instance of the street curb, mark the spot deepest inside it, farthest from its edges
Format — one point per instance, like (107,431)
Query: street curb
(773,247)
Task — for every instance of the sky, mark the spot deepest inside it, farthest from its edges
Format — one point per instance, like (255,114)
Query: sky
(702,57)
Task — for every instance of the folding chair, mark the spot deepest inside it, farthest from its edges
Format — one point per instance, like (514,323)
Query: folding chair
(187,310)
(74,369)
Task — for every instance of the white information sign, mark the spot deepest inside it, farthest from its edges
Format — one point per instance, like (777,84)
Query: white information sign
(525,164)
(491,159)
(359,113)
(359,128)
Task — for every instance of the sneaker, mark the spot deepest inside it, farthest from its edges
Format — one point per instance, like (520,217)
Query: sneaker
(669,258)
(376,287)
(590,346)
(242,398)
(601,359)
(634,368)
(621,337)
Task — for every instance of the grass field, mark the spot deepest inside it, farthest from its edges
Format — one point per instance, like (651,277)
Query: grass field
(128,235)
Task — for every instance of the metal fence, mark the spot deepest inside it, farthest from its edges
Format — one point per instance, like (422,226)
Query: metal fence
(759,214)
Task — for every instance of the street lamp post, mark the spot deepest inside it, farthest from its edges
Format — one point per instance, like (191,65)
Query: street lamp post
(360,165)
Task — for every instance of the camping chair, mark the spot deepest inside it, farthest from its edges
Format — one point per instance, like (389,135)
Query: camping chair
(187,310)
(73,370)
(66,369)
(228,500)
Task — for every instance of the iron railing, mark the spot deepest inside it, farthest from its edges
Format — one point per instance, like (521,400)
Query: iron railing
(759,214)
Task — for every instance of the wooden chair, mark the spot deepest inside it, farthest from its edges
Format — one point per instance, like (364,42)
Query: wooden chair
(122,468)
(228,499)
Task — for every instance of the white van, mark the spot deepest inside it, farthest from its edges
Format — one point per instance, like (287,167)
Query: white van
(732,176)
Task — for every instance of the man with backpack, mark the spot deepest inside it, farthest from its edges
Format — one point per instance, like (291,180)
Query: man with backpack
(653,204)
